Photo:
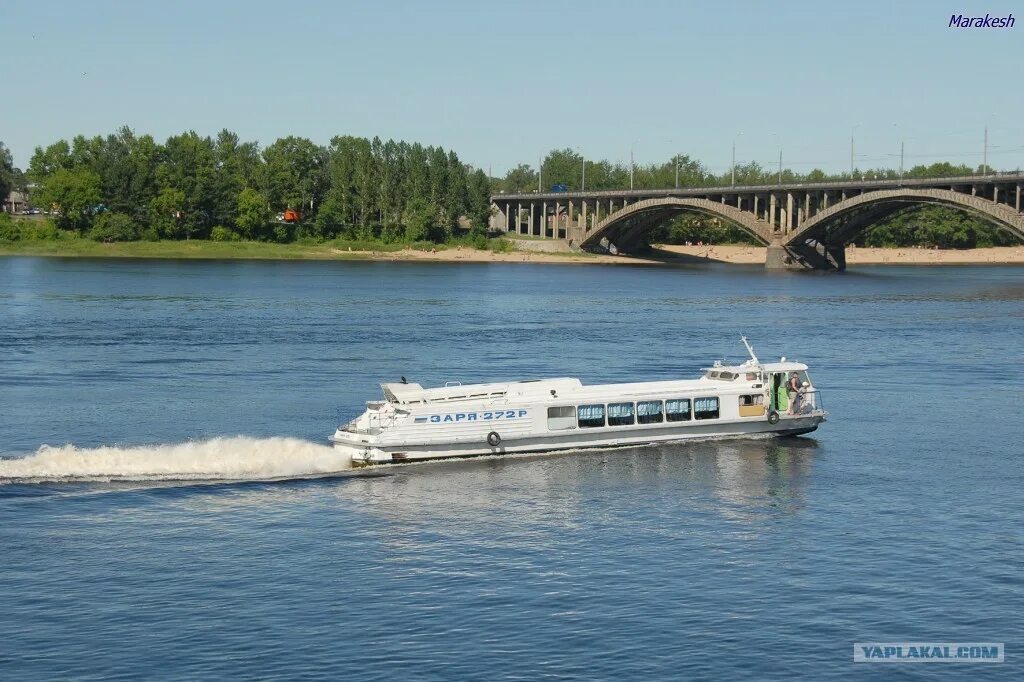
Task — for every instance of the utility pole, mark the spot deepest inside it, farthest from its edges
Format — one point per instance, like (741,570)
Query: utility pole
(631,168)
(677,171)
(734,162)
(583,182)
(540,175)
(984,154)
(901,161)
(780,165)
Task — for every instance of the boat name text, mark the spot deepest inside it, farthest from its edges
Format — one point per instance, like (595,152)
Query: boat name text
(471,416)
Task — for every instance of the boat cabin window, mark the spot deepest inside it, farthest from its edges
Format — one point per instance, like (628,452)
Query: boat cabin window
(561,418)
(726,376)
(705,408)
(677,410)
(751,376)
(752,405)
(590,416)
(620,414)
(650,412)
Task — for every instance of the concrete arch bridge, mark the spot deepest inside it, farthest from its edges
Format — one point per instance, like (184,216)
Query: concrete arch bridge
(803,225)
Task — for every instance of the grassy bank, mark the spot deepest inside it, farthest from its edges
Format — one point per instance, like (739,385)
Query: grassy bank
(199,249)
(174,249)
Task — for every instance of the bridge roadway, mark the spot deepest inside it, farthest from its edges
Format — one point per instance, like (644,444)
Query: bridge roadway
(804,225)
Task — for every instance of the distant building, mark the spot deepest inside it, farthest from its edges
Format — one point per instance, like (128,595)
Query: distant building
(16,202)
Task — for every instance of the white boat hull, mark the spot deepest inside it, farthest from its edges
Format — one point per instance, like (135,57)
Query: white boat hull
(368,454)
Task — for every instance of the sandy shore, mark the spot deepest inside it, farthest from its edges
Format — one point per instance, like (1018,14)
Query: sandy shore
(546,251)
(862,256)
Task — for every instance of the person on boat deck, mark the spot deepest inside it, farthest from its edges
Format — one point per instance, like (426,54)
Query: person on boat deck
(793,392)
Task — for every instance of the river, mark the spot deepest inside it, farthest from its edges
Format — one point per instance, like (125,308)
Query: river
(899,520)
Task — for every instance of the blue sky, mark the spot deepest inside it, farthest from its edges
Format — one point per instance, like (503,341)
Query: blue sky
(502,83)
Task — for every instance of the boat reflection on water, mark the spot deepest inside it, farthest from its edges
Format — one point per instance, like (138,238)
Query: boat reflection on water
(746,481)
(740,479)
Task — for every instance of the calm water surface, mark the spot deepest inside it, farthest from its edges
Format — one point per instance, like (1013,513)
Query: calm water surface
(901,519)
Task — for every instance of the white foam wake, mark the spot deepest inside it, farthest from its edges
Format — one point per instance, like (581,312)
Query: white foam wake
(235,458)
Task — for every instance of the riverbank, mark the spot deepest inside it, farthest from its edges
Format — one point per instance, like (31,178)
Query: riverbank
(198,249)
(520,253)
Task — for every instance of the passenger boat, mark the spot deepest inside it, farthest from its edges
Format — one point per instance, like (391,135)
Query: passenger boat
(414,423)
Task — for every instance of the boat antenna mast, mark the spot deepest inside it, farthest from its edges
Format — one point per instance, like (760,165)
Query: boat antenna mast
(750,350)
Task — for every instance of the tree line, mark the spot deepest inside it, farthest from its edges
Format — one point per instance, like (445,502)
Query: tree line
(916,226)
(125,186)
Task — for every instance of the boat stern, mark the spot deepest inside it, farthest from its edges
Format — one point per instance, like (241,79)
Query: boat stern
(361,448)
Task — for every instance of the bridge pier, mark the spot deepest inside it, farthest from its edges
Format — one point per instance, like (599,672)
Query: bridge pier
(776,257)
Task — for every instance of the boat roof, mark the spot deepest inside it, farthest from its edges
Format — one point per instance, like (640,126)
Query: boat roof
(414,393)
(781,366)
(411,393)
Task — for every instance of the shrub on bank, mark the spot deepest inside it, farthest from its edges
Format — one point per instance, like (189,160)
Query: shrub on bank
(13,230)
(223,234)
(500,246)
(114,227)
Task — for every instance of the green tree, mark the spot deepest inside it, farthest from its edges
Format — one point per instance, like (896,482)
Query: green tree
(339,212)
(479,202)
(421,221)
(74,195)
(522,178)
(253,214)
(166,211)
(562,167)
(45,162)
(6,172)
(237,167)
(190,167)
(293,175)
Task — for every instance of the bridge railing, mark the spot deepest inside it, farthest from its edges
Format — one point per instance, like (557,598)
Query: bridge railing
(1008,176)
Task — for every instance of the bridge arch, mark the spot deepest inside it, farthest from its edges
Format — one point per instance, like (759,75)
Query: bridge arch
(625,227)
(842,222)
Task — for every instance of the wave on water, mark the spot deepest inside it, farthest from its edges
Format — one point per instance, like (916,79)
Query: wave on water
(235,458)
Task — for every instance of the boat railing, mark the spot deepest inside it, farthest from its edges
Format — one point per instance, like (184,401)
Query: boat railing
(810,401)
(370,423)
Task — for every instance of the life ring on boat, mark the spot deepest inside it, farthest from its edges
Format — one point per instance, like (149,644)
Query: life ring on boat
(773,417)
(493,439)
